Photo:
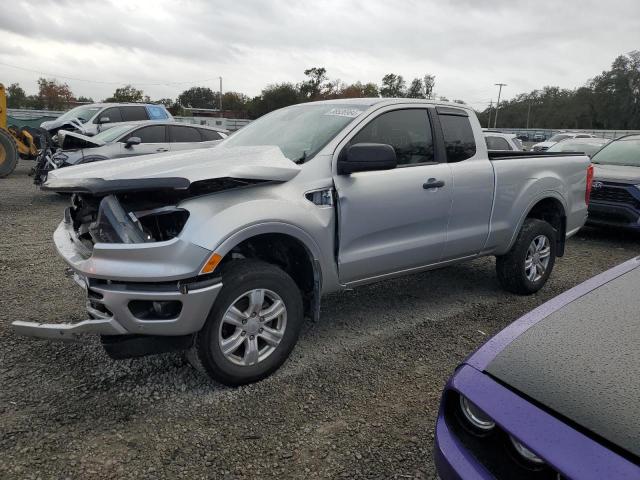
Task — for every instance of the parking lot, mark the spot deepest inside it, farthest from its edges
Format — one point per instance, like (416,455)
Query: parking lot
(357,399)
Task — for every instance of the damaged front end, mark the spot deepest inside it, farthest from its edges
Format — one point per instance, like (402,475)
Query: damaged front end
(144,290)
(135,220)
(126,238)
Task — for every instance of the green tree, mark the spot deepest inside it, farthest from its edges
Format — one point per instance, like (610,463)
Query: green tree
(16,97)
(54,95)
(358,90)
(125,94)
(82,99)
(312,88)
(235,101)
(393,86)
(428,84)
(167,102)
(416,89)
(199,97)
(273,97)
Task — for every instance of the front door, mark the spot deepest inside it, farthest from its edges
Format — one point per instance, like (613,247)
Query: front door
(394,220)
(153,139)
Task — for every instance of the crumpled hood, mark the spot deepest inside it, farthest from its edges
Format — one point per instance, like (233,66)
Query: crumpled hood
(72,140)
(617,173)
(175,170)
(49,124)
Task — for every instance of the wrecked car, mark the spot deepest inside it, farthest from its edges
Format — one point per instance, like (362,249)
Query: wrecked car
(223,252)
(125,141)
(94,118)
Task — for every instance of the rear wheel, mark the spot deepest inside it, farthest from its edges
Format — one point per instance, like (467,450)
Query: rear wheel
(8,153)
(253,325)
(527,266)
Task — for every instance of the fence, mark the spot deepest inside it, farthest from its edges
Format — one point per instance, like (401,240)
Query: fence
(33,118)
(548,133)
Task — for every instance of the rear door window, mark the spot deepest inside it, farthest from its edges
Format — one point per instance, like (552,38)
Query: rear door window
(112,113)
(497,143)
(150,134)
(459,141)
(184,134)
(407,131)
(134,114)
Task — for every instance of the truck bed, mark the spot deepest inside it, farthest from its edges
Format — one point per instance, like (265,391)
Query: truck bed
(507,154)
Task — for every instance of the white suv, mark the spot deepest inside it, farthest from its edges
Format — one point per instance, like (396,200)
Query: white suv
(95,117)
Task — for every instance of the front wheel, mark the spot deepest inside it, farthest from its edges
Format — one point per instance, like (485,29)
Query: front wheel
(526,267)
(253,325)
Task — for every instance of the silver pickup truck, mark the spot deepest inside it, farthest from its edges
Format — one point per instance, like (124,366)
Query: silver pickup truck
(223,252)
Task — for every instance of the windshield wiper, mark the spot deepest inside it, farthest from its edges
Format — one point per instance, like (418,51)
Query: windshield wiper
(302,158)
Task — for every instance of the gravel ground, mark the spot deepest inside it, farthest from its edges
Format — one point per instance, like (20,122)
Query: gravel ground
(357,399)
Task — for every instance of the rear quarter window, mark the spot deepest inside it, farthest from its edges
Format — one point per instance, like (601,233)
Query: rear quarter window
(184,134)
(157,113)
(208,135)
(459,141)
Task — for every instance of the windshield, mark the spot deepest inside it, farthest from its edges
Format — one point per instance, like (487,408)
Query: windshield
(299,131)
(559,136)
(82,113)
(111,134)
(620,152)
(588,148)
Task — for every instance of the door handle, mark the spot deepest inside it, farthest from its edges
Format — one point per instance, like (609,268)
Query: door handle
(162,149)
(433,183)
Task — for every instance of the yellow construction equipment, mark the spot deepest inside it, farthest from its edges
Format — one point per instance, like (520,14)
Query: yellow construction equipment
(14,143)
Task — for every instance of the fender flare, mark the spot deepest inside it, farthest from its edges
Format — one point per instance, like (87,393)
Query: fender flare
(232,240)
(542,196)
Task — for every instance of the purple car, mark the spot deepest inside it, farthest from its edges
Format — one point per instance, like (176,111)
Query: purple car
(554,395)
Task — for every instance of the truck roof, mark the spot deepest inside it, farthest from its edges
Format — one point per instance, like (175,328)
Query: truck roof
(370,101)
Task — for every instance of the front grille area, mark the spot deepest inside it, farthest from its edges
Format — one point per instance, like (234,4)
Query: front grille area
(615,194)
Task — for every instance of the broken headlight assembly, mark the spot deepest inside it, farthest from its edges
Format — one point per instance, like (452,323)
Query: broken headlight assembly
(114,224)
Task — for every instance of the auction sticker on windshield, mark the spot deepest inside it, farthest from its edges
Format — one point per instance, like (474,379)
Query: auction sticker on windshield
(344,112)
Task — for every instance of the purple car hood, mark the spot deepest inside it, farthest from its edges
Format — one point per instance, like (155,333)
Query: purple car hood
(578,356)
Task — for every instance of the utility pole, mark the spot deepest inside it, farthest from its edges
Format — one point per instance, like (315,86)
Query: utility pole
(220,96)
(490,108)
(495,120)
(528,112)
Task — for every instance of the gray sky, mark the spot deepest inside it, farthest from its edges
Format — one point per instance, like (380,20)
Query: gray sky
(467,44)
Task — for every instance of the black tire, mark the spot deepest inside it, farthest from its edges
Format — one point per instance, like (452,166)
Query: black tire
(511,266)
(239,277)
(8,153)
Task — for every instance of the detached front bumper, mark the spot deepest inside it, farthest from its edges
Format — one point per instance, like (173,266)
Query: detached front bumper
(144,289)
(127,309)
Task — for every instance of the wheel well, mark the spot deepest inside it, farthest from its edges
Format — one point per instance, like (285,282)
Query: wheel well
(292,256)
(551,211)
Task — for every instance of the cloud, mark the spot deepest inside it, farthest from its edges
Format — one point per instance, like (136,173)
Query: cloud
(468,45)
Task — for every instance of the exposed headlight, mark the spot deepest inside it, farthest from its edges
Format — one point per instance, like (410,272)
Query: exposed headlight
(59,158)
(525,453)
(476,417)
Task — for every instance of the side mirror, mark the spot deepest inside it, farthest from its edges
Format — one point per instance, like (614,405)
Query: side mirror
(365,157)
(131,141)
(102,120)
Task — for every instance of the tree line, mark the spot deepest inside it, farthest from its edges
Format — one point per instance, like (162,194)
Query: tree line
(54,95)
(609,101)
